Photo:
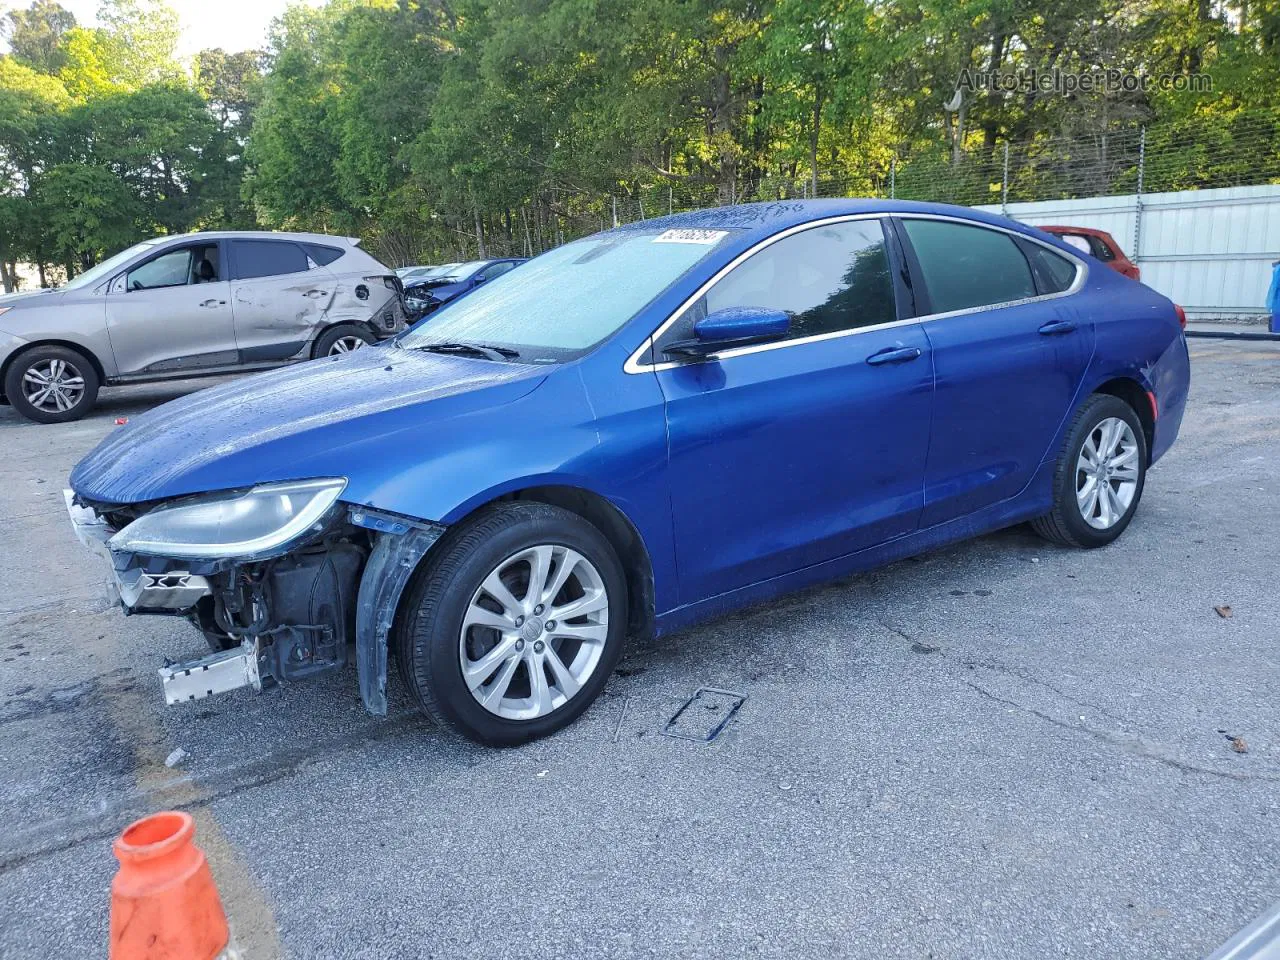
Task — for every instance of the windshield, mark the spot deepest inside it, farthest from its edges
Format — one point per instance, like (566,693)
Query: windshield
(107,267)
(568,300)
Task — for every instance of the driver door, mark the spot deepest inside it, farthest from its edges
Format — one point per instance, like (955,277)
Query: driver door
(172,312)
(791,453)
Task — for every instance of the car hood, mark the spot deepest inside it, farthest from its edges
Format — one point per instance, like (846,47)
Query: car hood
(29,296)
(328,417)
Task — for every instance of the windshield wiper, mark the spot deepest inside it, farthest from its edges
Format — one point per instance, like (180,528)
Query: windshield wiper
(488,351)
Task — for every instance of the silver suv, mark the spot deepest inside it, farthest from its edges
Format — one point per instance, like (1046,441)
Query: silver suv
(192,305)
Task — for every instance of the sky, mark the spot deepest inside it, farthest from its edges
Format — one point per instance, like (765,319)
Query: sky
(230,24)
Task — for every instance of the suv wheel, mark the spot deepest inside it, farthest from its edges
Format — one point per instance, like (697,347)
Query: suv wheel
(514,624)
(1100,475)
(51,384)
(342,339)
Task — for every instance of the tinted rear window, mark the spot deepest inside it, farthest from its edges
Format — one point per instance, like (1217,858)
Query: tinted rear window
(266,258)
(966,266)
(321,254)
(1057,273)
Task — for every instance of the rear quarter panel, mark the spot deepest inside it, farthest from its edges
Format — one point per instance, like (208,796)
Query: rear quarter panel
(1138,337)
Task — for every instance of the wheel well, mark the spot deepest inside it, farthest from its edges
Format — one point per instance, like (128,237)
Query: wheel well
(1132,393)
(87,354)
(622,536)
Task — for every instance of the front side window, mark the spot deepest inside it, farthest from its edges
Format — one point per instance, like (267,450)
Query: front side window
(266,258)
(568,299)
(172,269)
(497,270)
(828,279)
(967,266)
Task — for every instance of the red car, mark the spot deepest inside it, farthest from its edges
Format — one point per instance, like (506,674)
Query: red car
(1099,243)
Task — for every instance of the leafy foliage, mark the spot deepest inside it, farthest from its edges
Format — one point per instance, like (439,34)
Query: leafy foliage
(447,129)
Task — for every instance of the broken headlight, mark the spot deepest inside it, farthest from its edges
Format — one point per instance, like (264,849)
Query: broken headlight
(249,524)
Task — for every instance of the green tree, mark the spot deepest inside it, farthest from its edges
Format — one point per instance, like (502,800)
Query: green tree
(35,34)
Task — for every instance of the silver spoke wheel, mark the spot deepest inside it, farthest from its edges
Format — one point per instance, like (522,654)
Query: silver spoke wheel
(346,345)
(53,385)
(534,632)
(1107,473)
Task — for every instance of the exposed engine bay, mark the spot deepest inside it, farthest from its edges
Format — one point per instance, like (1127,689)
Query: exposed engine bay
(280,618)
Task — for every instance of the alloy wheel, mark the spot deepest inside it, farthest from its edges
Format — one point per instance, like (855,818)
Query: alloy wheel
(1107,473)
(346,345)
(534,632)
(53,385)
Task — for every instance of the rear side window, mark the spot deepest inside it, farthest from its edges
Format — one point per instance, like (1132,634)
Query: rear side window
(828,279)
(965,266)
(322,254)
(266,258)
(1056,272)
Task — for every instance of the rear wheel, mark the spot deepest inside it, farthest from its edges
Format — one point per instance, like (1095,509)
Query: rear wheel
(1099,477)
(51,384)
(342,339)
(512,628)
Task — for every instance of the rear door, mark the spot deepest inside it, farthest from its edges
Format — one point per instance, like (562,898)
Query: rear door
(280,297)
(171,312)
(790,453)
(1010,350)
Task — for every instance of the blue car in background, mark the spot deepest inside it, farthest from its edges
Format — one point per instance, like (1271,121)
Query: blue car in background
(428,293)
(637,431)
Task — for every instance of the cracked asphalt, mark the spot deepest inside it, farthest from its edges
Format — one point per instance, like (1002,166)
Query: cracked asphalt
(1001,749)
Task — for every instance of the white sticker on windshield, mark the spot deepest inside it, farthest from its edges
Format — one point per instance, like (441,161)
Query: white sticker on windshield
(691,236)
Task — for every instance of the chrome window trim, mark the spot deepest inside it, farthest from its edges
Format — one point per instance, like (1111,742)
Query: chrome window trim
(634,364)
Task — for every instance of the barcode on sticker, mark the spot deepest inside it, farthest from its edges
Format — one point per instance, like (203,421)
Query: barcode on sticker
(691,236)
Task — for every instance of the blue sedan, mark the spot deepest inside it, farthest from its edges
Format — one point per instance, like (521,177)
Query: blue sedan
(637,431)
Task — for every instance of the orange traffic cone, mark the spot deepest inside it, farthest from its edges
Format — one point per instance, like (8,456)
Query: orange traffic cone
(164,905)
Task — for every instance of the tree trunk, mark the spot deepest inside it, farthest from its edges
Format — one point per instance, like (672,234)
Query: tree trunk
(813,140)
(480,234)
(44,282)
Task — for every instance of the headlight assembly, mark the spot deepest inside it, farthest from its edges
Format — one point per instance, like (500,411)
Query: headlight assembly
(253,524)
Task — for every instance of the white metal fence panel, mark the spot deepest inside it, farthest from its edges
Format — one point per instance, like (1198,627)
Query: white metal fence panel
(1209,250)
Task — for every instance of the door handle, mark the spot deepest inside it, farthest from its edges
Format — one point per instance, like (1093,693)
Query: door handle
(315,293)
(214,303)
(1057,327)
(894,355)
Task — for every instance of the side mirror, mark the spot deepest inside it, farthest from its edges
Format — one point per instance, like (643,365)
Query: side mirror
(732,327)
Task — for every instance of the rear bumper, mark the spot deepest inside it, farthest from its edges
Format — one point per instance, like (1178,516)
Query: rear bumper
(1171,382)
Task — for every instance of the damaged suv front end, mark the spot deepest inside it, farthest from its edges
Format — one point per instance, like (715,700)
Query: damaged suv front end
(280,579)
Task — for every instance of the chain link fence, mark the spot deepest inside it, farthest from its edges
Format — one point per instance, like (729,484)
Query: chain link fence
(1242,150)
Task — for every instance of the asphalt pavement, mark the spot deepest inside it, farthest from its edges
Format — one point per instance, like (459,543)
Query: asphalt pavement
(1001,749)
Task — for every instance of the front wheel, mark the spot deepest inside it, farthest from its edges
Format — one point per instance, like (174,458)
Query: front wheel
(1099,477)
(51,384)
(514,624)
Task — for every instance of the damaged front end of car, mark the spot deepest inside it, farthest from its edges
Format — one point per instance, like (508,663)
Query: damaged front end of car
(282,579)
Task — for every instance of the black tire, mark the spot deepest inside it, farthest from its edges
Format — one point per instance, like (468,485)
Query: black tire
(429,627)
(76,364)
(343,331)
(1065,523)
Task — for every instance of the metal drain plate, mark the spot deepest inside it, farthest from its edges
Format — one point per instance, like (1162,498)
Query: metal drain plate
(704,716)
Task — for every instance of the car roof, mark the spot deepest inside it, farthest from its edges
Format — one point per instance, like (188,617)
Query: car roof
(760,220)
(262,235)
